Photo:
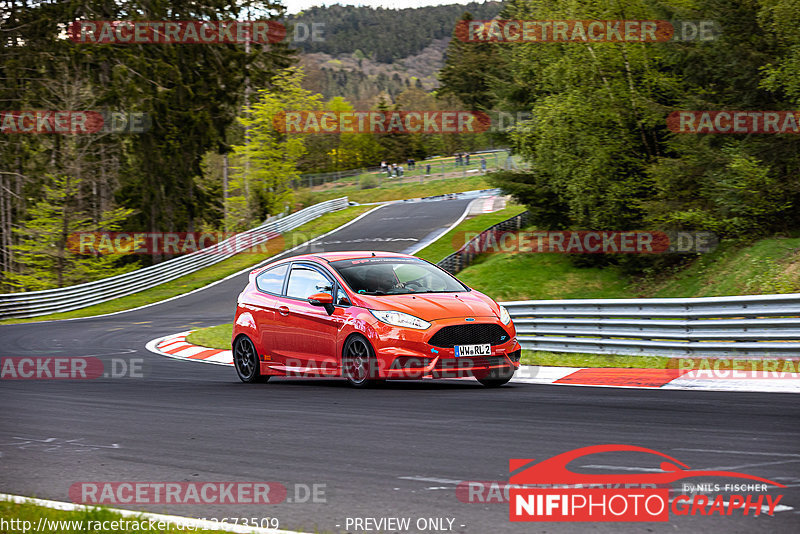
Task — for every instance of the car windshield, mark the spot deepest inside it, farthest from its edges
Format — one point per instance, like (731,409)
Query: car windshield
(395,276)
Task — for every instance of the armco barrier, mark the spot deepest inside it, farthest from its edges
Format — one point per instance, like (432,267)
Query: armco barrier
(35,303)
(466,254)
(731,327)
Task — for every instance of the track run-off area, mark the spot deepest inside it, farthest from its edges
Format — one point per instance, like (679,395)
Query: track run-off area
(398,451)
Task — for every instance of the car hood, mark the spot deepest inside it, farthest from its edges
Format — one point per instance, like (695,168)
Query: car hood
(435,306)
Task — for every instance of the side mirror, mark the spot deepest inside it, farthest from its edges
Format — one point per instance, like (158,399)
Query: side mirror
(322,299)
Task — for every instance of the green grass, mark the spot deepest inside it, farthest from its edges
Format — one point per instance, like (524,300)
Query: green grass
(32,513)
(396,191)
(770,265)
(454,239)
(215,272)
(214,337)
(542,276)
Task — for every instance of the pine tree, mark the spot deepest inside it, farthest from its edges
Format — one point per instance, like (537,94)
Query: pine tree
(43,249)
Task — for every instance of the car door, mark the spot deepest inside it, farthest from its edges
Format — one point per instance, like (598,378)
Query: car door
(264,301)
(308,333)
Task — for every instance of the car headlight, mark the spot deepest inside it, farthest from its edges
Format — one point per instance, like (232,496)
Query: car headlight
(505,317)
(397,318)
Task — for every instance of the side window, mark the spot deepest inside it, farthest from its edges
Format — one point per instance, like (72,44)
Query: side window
(271,280)
(305,281)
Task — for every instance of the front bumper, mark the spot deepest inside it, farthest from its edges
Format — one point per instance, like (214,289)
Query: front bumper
(404,353)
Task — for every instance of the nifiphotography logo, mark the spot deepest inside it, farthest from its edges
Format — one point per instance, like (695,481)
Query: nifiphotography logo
(626,497)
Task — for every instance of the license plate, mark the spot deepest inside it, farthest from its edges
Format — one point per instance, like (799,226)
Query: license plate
(473,350)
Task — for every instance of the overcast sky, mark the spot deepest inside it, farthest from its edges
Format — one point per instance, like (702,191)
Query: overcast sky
(293,6)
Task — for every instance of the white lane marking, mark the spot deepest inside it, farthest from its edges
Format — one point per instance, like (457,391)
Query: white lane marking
(656,470)
(212,284)
(758,385)
(427,241)
(743,466)
(187,522)
(725,451)
(536,374)
(432,479)
(624,468)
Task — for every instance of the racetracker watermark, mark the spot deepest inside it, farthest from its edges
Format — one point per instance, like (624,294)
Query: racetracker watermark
(499,363)
(69,368)
(175,243)
(585,31)
(584,242)
(210,492)
(382,122)
(73,122)
(171,31)
(737,369)
(734,122)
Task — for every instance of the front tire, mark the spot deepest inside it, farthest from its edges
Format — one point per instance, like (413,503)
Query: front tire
(359,365)
(245,359)
(497,377)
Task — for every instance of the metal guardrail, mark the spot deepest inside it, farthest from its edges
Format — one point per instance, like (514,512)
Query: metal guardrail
(731,327)
(35,303)
(464,256)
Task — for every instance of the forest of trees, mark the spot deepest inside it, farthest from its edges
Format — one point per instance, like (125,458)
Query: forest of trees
(385,35)
(208,110)
(601,155)
(52,184)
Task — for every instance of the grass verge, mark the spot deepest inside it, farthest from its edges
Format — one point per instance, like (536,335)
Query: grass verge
(575,359)
(454,239)
(215,272)
(396,191)
(766,266)
(26,517)
(214,337)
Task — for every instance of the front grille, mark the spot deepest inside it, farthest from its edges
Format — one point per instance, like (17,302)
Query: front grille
(469,334)
(449,364)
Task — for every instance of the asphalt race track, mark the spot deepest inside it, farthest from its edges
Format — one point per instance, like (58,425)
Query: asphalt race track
(396,451)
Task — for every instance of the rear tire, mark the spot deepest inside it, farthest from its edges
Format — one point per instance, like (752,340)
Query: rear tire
(245,359)
(359,363)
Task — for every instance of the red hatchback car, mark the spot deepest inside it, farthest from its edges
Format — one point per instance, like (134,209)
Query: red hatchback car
(368,317)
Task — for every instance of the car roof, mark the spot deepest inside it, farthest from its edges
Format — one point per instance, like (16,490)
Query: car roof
(352,255)
(333,256)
